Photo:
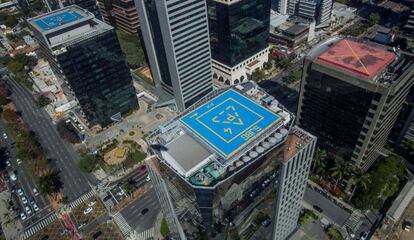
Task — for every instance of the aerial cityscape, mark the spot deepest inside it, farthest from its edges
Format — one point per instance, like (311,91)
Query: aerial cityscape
(206,119)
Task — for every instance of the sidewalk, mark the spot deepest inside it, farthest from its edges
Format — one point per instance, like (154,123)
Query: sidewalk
(12,229)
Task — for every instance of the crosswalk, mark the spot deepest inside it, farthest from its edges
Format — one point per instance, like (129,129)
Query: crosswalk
(353,222)
(122,224)
(80,200)
(40,225)
(109,204)
(145,235)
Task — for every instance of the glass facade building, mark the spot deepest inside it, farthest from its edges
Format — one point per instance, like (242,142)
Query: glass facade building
(86,55)
(238,30)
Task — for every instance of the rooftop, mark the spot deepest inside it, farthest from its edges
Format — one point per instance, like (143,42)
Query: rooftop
(60,18)
(226,130)
(359,58)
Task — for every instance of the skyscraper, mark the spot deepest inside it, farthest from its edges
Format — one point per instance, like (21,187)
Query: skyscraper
(239,31)
(244,149)
(319,11)
(89,5)
(350,96)
(85,53)
(176,39)
(121,14)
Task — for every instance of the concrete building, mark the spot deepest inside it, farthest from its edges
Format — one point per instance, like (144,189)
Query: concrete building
(85,53)
(290,34)
(239,31)
(121,14)
(244,149)
(176,38)
(89,5)
(351,94)
(404,125)
(319,11)
(409,26)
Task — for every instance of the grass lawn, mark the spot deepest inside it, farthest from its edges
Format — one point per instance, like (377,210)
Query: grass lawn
(132,48)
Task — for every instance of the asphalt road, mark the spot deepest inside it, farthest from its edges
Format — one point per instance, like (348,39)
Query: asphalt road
(330,209)
(134,217)
(75,182)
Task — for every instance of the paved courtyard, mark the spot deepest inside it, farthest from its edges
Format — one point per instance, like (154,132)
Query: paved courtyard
(312,230)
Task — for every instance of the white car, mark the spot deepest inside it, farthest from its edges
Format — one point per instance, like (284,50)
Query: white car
(28,210)
(364,236)
(13,176)
(22,216)
(19,161)
(35,207)
(91,203)
(24,200)
(20,192)
(8,163)
(120,193)
(148,178)
(35,191)
(5,135)
(88,210)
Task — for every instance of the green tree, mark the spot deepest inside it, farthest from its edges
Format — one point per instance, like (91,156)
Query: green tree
(374,19)
(359,179)
(42,101)
(319,162)
(258,75)
(89,162)
(15,66)
(11,21)
(10,115)
(164,229)
(340,171)
(50,184)
(129,189)
(407,149)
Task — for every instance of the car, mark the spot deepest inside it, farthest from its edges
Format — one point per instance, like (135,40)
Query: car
(145,210)
(96,235)
(24,200)
(63,232)
(266,222)
(5,135)
(23,216)
(364,235)
(19,161)
(32,201)
(20,192)
(317,208)
(13,176)
(88,210)
(8,163)
(143,168)
(120,193)
(28,210)
(107,197)
(82,224)
(35,191)
(90,204)
(45,237)
(35,207)
(148,178)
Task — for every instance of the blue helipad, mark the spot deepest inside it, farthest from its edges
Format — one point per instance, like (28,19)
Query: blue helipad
(229,122)
(58,19)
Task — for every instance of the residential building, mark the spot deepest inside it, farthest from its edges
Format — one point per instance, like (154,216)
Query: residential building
(85,53)
(239,31)
(89,5)
(350,96)
(121,14)
(176,37)
(244,149)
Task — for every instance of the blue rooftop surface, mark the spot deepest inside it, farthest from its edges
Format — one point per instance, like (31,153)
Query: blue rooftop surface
(58,19)
(229,121)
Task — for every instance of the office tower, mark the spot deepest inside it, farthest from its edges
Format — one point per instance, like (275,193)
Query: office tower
(350,97)
(89,5)
(281,6)
(239,31)
(409,26)
(122,14)
(85,53)
(177,43)
(319,11)
(404,125)
(243,150)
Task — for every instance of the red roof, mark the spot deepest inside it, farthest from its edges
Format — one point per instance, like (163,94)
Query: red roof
(359,58)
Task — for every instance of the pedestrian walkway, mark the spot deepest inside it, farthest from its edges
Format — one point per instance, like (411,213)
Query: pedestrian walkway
(122,224)
(145,235)
(353,222)
(39,225)
(80,200)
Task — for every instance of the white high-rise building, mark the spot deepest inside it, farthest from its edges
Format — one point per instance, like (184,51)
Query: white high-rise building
(176,38)
(317,10)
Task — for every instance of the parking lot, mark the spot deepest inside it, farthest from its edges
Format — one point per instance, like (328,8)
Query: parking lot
(87,211)
(55,230)
(105,231)
(26,203)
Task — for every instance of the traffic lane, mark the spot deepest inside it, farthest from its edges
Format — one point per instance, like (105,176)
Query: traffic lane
(330,209)
(133,212)
(74,180)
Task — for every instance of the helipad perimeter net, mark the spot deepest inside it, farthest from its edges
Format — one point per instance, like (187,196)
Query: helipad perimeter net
(229,122)
(58,19)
